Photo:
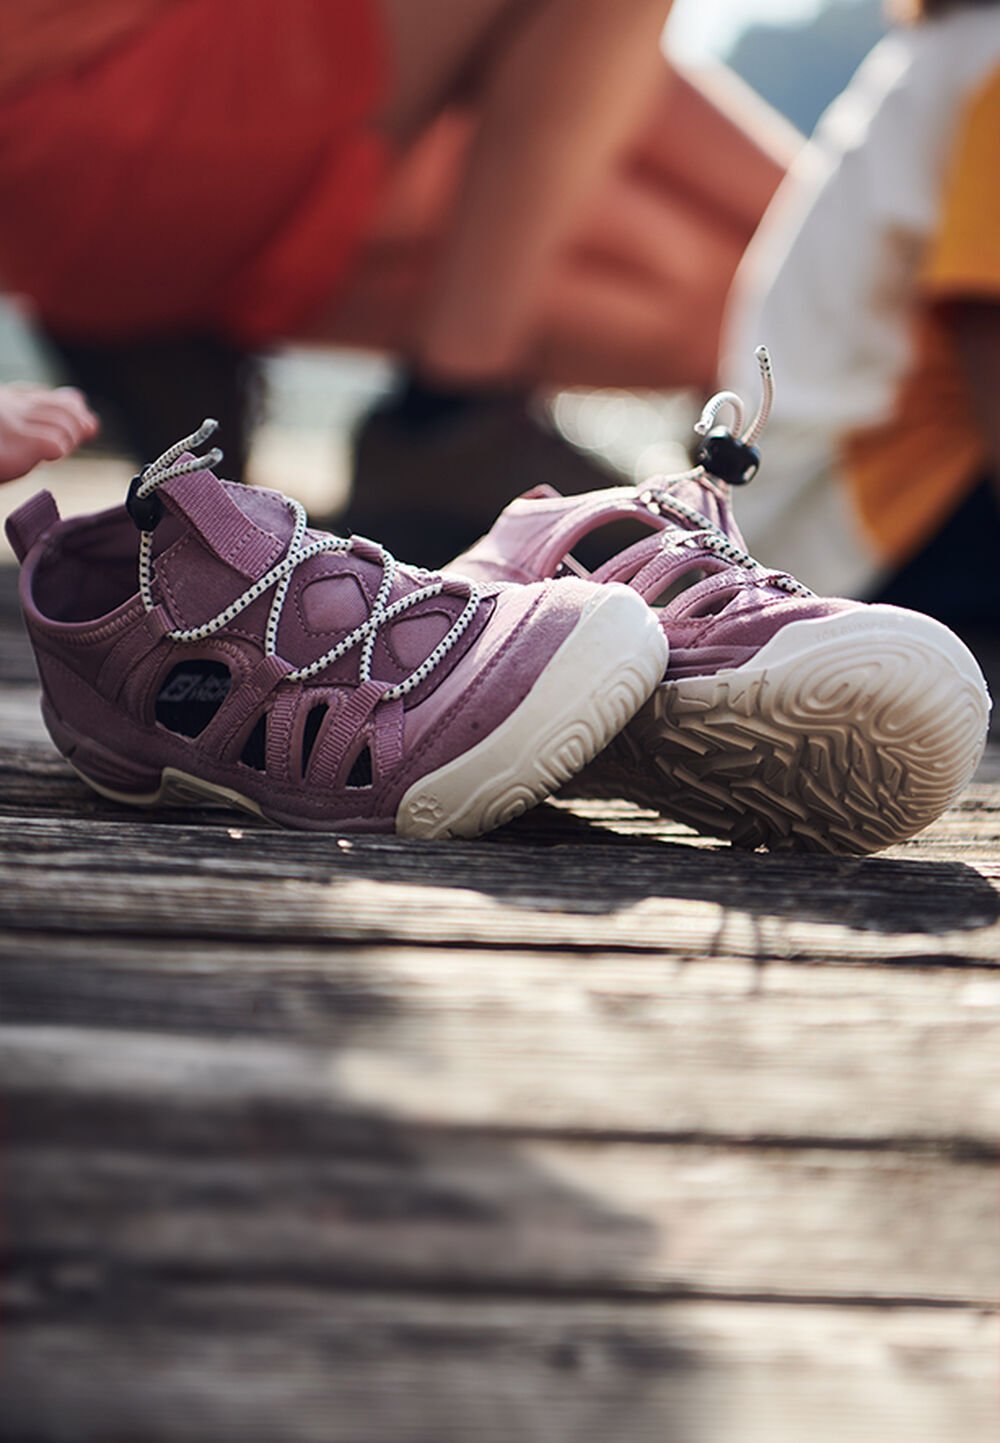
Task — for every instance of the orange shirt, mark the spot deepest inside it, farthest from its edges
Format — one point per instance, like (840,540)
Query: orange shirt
(908,474)
(39,38)
(216,171)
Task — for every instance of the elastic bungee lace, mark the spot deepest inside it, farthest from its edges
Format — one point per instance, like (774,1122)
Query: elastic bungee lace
(658,497)
(168,467)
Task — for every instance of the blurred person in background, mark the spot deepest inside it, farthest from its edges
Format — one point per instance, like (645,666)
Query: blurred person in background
(504,194)
(875,282)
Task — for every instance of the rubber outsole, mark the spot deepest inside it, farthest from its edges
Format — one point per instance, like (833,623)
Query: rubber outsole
(607,667)
(844,734)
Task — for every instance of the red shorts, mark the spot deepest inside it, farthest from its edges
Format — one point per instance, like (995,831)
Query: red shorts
(215,172)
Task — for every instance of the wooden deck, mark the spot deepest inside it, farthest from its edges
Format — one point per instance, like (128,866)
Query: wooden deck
(590,1132)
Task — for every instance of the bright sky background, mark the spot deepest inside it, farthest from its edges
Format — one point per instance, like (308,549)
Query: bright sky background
(702,28)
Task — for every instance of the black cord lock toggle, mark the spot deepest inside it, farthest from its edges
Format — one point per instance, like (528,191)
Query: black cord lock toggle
(145,511)
(727,458)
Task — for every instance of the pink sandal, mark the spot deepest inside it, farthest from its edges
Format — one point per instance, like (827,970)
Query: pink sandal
(306,677)
(785,719)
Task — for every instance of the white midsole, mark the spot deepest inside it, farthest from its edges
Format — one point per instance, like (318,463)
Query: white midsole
(175,785)
(616,644)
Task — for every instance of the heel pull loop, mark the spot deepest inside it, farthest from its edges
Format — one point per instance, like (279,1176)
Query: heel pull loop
(29,523)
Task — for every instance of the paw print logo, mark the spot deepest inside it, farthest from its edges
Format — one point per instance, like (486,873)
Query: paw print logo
(426,808)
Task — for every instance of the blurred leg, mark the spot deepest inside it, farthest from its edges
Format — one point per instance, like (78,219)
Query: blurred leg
(568,221)
(635,293)
(439,50)
(709,136)
(559,94)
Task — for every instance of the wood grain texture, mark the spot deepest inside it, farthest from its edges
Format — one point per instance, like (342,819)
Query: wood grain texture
(624,1045)
(590,1130)
(446,1211)
(224,1365)
(124,876)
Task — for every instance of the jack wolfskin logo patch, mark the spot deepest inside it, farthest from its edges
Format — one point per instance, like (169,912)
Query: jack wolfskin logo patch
(193,686)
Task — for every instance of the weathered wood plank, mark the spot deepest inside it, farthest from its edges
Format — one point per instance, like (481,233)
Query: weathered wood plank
(171,1151)
(225,1364)
(441,1210)
(237,1158)
(580,1044)
(179,881)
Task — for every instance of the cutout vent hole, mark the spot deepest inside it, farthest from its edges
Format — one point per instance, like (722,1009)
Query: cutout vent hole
(361,771)
(311,731)
(191,695)
(598,546)
(712,605)
(254,753)
(678,586)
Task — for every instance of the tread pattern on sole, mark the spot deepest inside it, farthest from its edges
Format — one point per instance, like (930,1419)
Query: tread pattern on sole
(848,748)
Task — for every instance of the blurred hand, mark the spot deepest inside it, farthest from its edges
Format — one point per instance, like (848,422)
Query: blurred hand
(38,423)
